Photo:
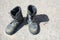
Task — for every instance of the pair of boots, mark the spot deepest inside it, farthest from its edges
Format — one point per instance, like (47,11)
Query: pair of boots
(18,19)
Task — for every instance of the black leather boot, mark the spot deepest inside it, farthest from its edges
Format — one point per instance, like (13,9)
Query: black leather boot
(18,19)
(33,27)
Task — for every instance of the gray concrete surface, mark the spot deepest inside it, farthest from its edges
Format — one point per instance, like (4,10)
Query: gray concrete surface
(48,30)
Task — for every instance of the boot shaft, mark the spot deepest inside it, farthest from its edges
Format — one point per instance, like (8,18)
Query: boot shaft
(16,13)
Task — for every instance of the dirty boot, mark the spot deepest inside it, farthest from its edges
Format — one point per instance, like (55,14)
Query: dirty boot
(33,27)
(18,19)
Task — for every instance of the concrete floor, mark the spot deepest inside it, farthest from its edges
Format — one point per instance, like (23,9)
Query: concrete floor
(49,29)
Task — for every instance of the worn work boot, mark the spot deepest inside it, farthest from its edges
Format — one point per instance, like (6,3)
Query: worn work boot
(33,27)
(18,19)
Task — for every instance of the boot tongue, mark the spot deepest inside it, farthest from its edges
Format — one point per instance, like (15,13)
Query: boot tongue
(29,18)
